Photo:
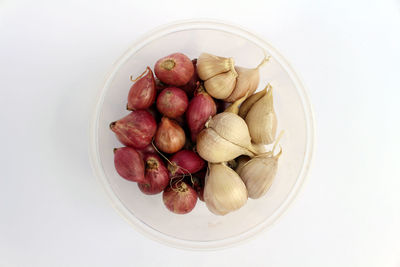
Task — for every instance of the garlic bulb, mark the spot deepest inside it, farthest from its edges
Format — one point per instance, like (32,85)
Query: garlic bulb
(259,173)
(234,107)
(261,119)
(247,81)
(209,65)
(221,85)
(232,128)
(224,191)
(245,107)
(214,148)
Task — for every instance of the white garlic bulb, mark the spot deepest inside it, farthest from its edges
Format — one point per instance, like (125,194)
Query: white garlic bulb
(247,81)
(224,191)
(231,127)
(259,172)
(221,85)
(210,65)
(261,119)
(248,103)
(213,148)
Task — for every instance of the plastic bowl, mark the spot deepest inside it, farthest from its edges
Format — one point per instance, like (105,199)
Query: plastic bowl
(200,229)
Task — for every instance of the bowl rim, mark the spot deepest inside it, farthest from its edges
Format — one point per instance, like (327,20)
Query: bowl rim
(94,126)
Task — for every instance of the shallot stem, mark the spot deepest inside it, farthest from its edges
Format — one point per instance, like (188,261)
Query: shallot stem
(185,170)
(140,76)
(161,154)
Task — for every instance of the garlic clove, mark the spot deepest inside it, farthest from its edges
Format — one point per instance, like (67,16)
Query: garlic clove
(245,107)
(224,190)
(231,127)
(247,81)
(210,65)
(213,148)
(221,85)
(259,173)
(234,107)
(261,119)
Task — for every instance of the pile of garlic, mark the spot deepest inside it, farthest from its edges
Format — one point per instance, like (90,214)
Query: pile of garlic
(238,134)
(223,80)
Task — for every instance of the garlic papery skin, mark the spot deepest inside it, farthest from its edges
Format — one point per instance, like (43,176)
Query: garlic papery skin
(258,173)
(209,65)
(232,128)
(213,148)
(224,190)
(247,81)
(261,119)
(221,85)
(245,107)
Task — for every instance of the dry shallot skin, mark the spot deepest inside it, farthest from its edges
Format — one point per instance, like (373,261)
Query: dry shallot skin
(156,175)
(143,92)
(129,164)
(170,137)
(201,108)
(176,69)
(136,129)
(185,162)
(180,198)
(172,102)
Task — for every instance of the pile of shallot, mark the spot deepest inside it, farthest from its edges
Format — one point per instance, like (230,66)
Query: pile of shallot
(196,130)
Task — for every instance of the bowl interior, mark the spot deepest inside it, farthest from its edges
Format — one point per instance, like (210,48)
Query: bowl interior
(200,228)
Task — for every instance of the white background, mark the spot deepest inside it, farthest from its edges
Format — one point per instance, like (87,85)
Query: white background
(54,56)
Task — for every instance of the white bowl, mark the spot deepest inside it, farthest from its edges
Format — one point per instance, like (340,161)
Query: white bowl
(201,229)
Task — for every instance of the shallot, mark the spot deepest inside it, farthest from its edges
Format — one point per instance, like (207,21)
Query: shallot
(136,129)
(180,198)
(156,178)
(143,92)
(176,69)
(170,137)
(129,164)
